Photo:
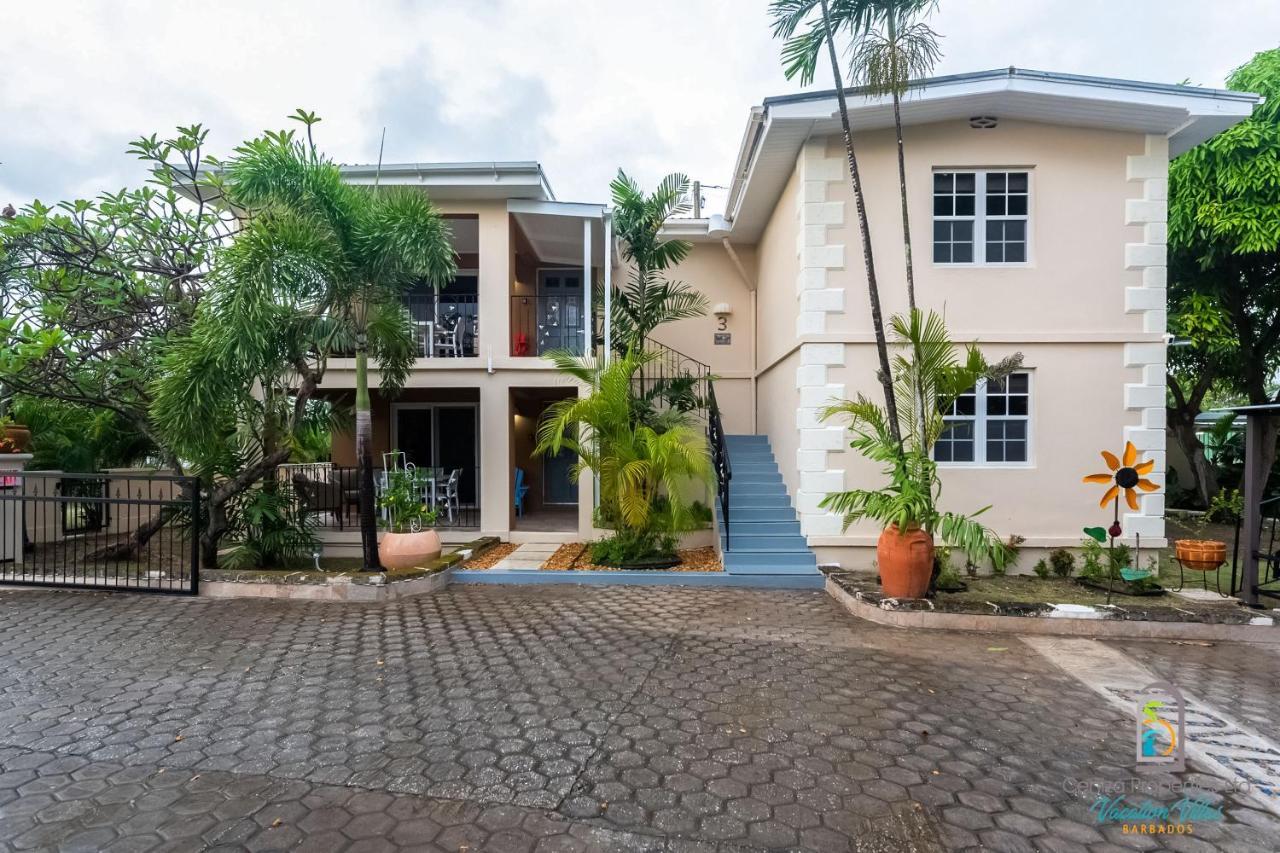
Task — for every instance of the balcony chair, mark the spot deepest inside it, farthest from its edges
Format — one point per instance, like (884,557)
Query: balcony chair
(520,491)
(449,337)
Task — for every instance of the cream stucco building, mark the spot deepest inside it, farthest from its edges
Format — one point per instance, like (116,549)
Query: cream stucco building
(1037,206)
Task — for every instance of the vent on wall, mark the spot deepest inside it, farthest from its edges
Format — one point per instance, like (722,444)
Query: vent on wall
(983,122)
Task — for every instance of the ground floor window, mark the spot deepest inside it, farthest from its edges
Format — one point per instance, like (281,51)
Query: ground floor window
(989,425)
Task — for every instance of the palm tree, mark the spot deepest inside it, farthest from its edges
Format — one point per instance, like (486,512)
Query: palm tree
(361,250)
(893,51)
(929,373)
(643,469)
(805,37)
(649,299)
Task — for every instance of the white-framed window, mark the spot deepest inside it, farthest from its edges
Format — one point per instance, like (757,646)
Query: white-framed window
(990,424)
(980,216)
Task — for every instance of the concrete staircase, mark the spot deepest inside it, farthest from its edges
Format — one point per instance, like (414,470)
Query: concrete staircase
(764,534)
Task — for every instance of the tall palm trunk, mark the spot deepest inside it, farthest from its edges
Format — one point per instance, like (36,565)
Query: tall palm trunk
(864,230)
(364,458)
(892,21)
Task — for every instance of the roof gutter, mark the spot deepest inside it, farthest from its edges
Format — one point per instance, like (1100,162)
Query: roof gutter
(746,155)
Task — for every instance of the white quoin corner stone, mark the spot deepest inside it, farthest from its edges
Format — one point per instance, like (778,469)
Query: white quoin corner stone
(1145,294)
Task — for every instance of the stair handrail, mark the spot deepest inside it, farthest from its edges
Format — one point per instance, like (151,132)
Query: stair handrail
(719,457)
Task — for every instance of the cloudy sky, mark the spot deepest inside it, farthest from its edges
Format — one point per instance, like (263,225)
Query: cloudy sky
(584,87)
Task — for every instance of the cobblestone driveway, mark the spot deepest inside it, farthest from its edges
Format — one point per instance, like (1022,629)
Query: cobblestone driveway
(548,718)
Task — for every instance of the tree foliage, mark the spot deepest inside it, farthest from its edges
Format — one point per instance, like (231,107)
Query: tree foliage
(98,288)
(1224,267)
(643,469)
(648,298)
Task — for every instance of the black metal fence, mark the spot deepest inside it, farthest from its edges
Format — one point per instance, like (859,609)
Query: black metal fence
(135,532)
(673,380)
(329,495)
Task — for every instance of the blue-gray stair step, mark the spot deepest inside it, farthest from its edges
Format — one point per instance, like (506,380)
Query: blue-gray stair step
(779,500)
(762,528)
(754,469)
(754,544)
(747,514)
(739,438)
(770,564)
(737,490)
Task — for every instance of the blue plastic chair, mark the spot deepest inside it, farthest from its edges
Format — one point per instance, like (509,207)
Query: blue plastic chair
(521,491)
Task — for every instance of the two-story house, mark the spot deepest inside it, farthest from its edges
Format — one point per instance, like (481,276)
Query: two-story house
(1037,205)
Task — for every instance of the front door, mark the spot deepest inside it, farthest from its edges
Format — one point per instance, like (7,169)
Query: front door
(557,487)
(559,310)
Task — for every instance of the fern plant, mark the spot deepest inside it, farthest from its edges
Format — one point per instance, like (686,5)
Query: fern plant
(929,372)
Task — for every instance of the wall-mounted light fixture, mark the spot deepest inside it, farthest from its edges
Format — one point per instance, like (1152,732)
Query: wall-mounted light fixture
(722,309)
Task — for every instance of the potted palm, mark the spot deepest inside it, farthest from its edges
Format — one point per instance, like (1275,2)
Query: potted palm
(409,540)
(928,374)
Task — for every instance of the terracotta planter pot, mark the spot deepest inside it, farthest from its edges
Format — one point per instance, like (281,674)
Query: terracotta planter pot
(906,562)
(20,435)
(1204,555)
(408,550)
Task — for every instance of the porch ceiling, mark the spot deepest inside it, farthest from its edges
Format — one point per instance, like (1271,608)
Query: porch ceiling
(556,235)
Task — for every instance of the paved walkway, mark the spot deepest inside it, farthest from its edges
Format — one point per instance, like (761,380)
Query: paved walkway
(566,718)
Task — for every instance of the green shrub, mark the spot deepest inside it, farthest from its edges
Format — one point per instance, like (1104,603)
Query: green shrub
(948,579)
(1063,562)
(631,546)
(1101,565)
(1041,568)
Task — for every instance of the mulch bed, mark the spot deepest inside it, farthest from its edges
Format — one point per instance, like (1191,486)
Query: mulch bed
(489,557)
(576,556)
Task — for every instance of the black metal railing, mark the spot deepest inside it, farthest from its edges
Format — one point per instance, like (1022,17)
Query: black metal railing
(445,325)
(115,531)
(328,495)
(541,324)
(673,380)
(719,457)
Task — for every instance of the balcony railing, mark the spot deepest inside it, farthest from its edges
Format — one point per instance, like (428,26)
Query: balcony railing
(540,324)
(444,325)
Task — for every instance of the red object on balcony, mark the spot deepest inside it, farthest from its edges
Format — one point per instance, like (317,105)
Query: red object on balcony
(520,345)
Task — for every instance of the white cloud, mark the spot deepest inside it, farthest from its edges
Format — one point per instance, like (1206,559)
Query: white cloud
(583,87)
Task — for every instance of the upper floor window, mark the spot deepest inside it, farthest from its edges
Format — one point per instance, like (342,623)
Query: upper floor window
(990,424)
(980,217)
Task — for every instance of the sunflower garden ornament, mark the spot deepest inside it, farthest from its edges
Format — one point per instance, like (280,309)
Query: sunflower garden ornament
(1125,476)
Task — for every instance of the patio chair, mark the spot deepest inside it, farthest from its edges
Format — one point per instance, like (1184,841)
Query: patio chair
(317,497)
(520,491)
(446,493)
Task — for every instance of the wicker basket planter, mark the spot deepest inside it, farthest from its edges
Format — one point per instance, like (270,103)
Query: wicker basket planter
(1203,555)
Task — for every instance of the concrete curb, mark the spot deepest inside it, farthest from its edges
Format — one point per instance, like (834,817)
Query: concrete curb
(1060,627)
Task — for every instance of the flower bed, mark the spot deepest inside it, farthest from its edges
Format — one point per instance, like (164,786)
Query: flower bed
(575,556)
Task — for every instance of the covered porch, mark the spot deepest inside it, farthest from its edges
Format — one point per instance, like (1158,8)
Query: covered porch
(559,262)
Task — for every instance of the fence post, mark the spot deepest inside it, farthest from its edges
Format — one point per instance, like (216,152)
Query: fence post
(194,485)
(13,511)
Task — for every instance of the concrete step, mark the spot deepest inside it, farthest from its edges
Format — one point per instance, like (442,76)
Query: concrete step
(761,513)
(737,489)
(741,438)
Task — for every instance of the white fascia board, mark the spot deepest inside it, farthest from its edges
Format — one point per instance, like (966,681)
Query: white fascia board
(557,208)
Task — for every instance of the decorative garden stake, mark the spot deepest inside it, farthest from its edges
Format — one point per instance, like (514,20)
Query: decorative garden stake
(1125,475)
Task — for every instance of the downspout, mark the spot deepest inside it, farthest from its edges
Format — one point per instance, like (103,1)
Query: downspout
(751,288)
